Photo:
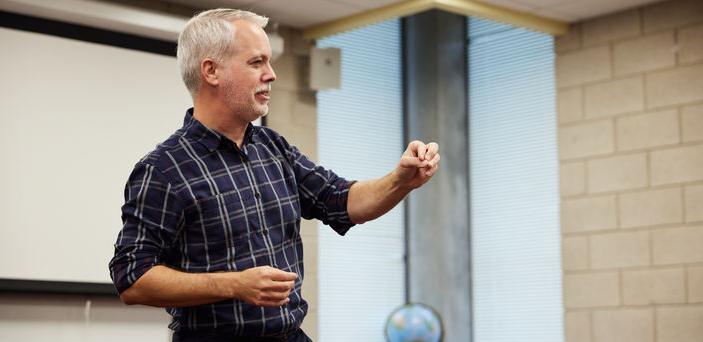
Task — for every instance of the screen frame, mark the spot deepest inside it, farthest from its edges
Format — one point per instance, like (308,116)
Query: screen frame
(93,35)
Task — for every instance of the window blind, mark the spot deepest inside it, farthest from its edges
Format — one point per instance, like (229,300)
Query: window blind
(362,275)
(516,258)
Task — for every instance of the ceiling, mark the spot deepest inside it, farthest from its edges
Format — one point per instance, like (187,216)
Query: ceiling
(166,19)
(306,13)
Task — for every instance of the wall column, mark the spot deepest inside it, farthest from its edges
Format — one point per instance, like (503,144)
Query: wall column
(438,245)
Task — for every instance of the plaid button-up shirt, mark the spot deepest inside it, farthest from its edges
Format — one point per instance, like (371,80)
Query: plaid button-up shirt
(197,203)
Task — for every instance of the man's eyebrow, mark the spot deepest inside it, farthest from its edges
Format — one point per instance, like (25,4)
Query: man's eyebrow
(259,56)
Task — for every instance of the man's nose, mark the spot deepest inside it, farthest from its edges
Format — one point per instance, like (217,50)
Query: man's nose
(270,75)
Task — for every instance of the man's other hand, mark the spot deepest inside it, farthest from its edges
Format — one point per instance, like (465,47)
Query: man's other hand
(264,286)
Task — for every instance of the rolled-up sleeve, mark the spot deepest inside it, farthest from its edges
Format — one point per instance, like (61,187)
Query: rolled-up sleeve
(323,194)
(150,218)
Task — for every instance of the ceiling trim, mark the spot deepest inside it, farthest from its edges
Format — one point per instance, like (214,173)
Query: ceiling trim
(462,7)
(399,9)
(513,17)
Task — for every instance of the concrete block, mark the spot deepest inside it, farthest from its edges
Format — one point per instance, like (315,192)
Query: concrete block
(673,87)
(695,284)
(644,54)
(693,197)
(569,105)
(572,178)
(591,290)
(305,109)
(619,250)
(280,108)
(682,164)
(310,253)
(623,325)
(288,68)
(311,324)
(614,97)
(647,130)
(577,326)
(583,66)
(569,41)
(692,123)
(652,207)
(617,173)
(611,27)
(575,253)
(678,245)
(587,139)
(680,324)
(589,214)
(308,228)
(654,286)
(671,14)
(691,44)
(310,289)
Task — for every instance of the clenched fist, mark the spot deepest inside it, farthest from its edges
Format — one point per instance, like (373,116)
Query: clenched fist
(265,286)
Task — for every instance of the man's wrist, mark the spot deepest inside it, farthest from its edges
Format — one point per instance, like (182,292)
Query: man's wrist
(223,284)
(398,183)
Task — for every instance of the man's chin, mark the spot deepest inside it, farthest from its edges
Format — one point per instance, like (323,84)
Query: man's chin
(262,111)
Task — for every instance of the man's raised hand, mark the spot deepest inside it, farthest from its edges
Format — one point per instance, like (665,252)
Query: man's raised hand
(418,163)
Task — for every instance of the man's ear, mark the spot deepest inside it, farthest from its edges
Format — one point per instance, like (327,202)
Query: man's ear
(208,71)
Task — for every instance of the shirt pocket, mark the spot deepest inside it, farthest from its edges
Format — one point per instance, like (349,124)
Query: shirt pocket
(223,218)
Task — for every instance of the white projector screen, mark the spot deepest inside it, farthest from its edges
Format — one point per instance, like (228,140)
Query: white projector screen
(75,118)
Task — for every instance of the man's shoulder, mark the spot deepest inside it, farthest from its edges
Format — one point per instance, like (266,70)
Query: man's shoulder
(267,134)
(162,152)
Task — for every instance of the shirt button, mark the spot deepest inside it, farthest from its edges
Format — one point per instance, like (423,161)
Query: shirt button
(257,194)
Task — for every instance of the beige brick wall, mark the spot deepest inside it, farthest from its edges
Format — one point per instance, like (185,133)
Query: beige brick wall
(293,113)
(630,108)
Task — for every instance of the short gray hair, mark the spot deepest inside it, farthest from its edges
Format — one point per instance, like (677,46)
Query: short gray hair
(209,34)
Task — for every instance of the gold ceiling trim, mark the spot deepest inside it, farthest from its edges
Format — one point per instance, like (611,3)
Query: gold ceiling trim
(462,7)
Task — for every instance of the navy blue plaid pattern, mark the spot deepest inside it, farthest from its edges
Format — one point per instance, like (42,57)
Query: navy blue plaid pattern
(197,203)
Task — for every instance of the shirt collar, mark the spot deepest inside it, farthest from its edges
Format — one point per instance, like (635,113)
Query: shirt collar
(210,138)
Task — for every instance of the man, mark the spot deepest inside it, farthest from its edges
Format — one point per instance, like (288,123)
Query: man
(212,215)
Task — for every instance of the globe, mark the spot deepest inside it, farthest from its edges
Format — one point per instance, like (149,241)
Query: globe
(414,323)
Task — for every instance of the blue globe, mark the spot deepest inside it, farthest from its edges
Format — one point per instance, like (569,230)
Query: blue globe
(414,323)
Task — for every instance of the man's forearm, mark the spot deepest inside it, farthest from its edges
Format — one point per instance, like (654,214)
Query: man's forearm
(370,199)
(165,287)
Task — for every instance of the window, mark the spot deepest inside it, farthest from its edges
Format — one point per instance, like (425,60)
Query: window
(360,136)
(513,163)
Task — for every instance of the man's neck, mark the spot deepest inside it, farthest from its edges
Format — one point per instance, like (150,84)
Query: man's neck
(218,118)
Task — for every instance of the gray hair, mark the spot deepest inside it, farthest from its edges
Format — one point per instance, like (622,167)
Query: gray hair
(209,35)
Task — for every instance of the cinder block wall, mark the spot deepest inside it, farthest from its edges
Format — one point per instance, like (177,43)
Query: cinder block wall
(630,107)
(293,113)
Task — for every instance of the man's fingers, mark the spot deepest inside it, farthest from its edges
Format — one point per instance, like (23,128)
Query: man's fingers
(433,147)
(432,166)
(430,172)
(280,275)
(412,162)
(432,150)
(280,286)
(275,296)
(434,162)
(418,148)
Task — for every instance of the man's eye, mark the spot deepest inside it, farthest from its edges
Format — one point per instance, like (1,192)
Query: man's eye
(256,62)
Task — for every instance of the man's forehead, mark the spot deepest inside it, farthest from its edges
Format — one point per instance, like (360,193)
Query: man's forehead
(250,39)
(246,27)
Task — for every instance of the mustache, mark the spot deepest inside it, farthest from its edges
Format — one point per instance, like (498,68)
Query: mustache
(265,87)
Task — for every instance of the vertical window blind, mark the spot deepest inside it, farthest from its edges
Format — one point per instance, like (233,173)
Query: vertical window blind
(516,258)
(360,136)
